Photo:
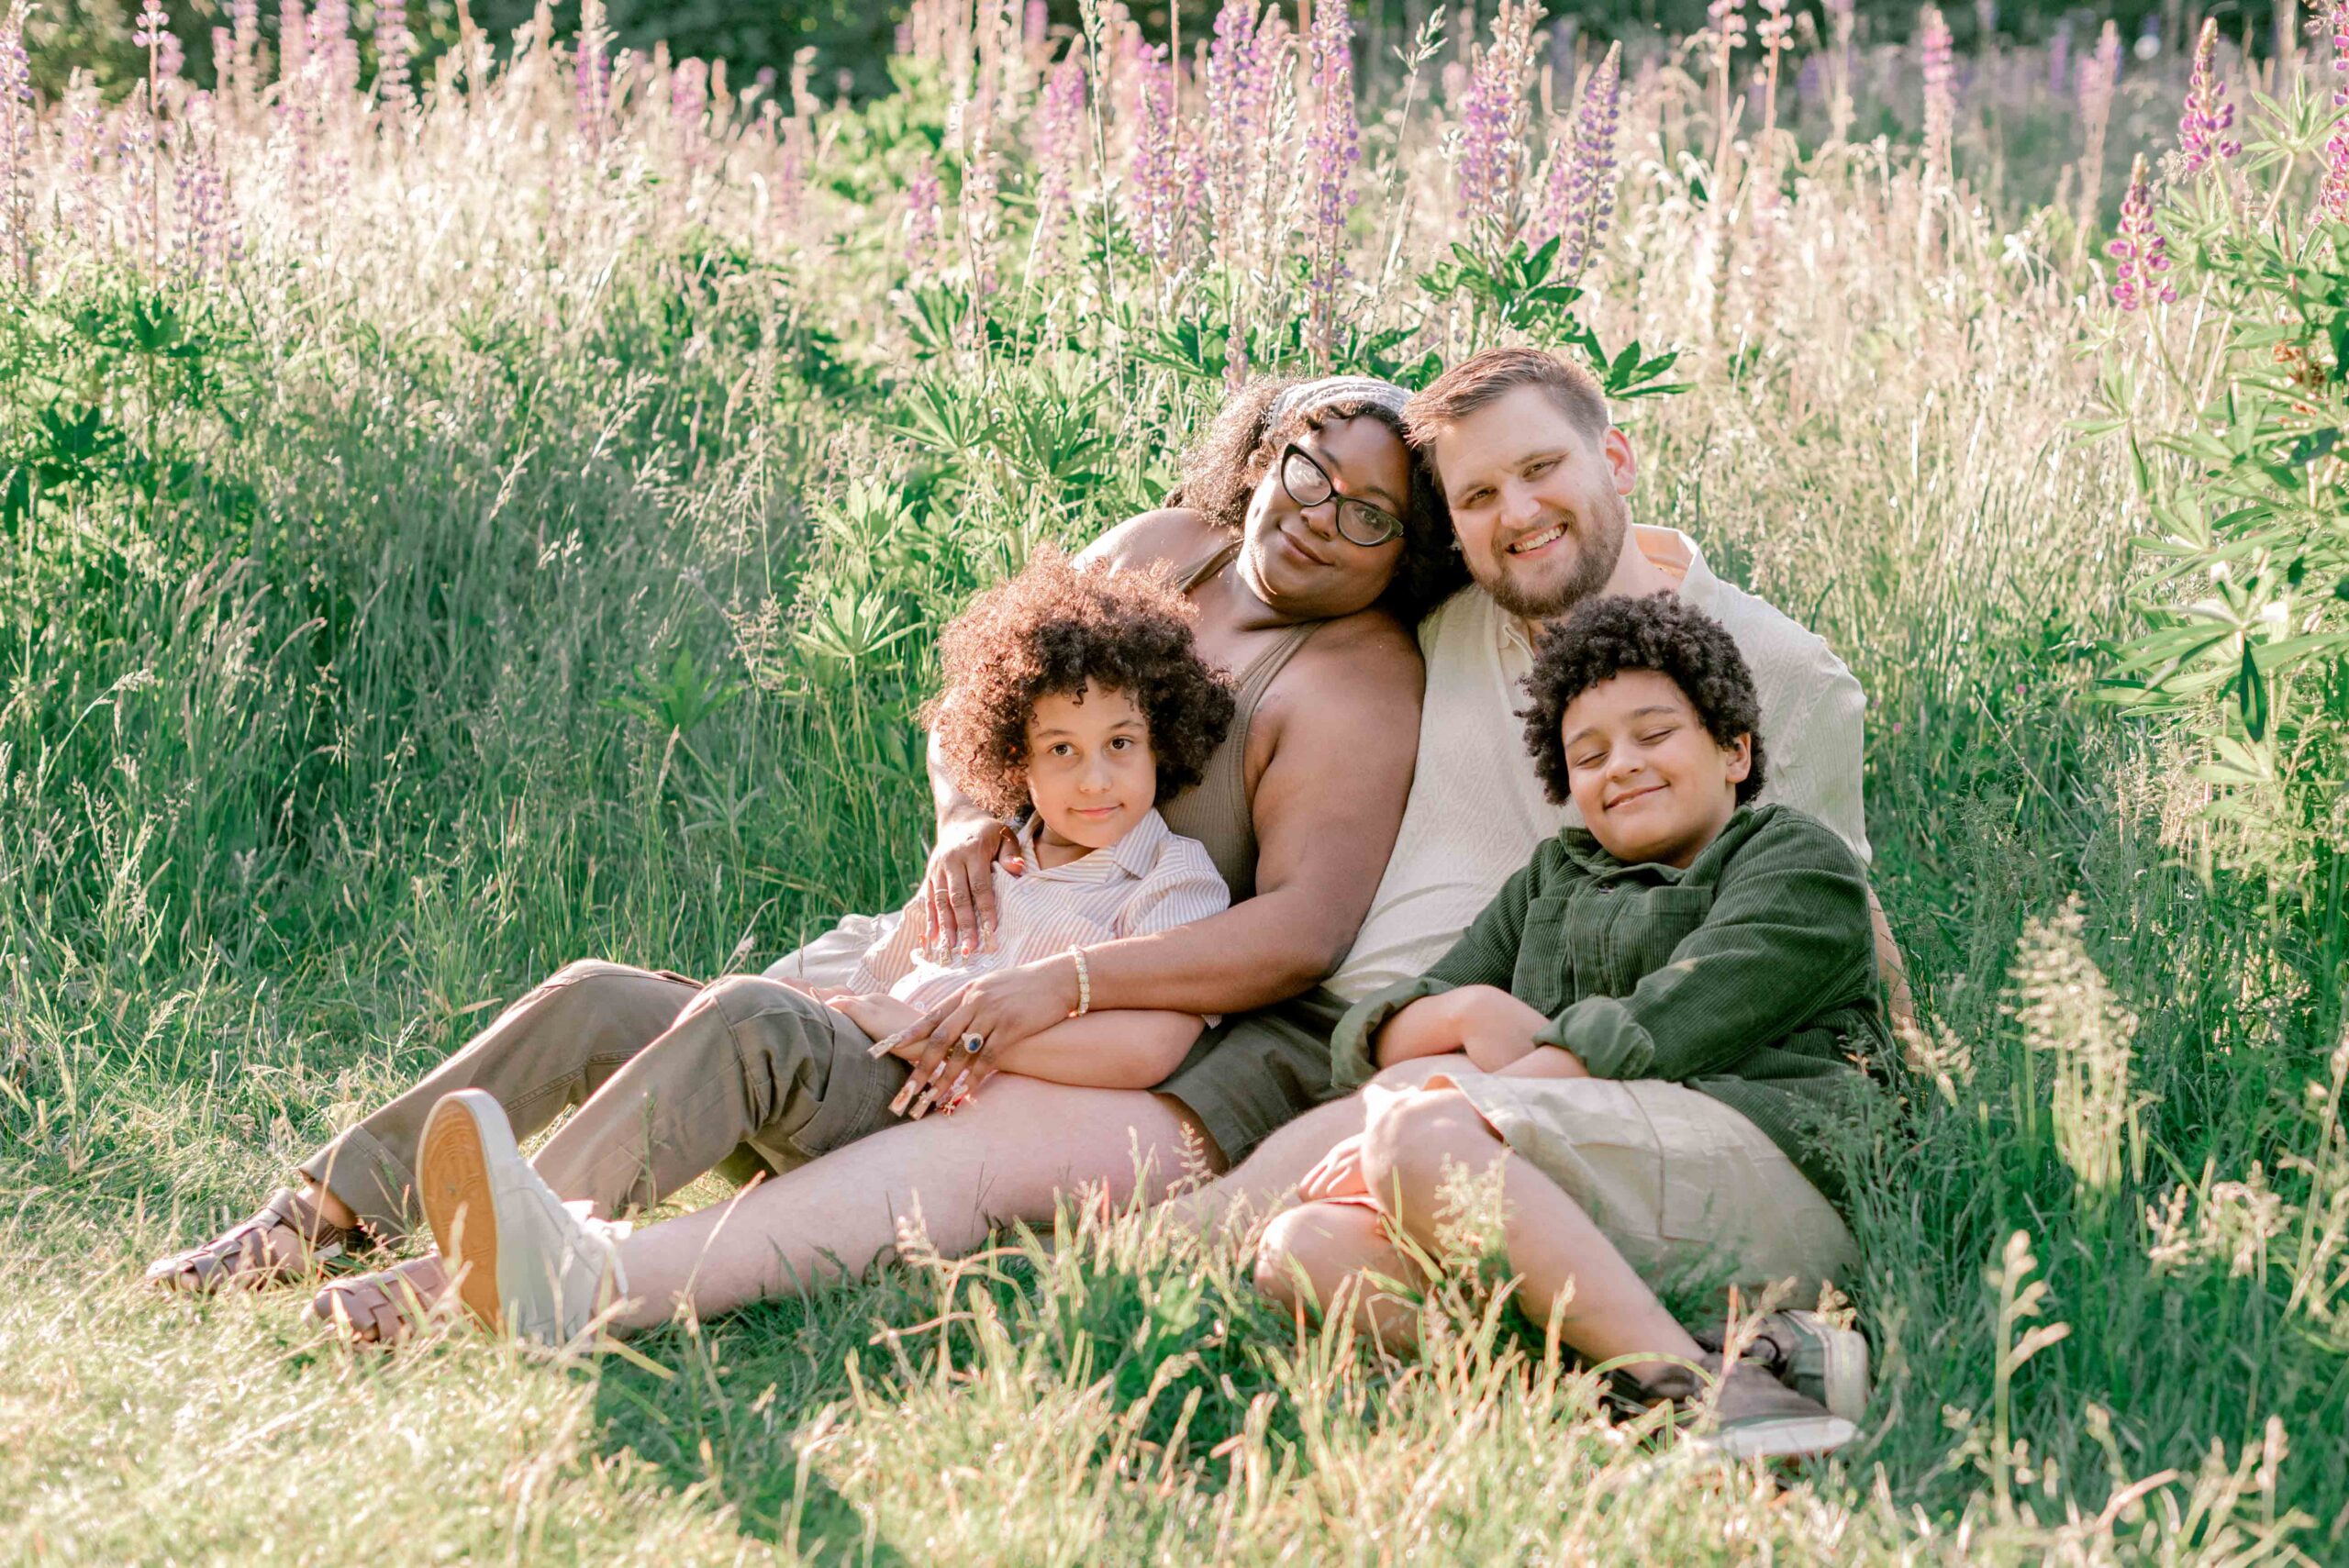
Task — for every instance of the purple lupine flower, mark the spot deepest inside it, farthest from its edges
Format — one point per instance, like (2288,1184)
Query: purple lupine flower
(1811,76)
(1590,199)
(1058,140)
(1492,124)
(16,138)
(1941,102)
(1156,193)
(2332,199)
(392,50)
(981,218)
(1332,148)
(206,240)
(2202,128)
(924,203)
(592,73)
(1036,26)
(2140,254)
(1239,97)
(2059,57)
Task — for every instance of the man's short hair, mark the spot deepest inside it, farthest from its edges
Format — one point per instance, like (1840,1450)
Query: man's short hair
(1608,636)
(1486,378)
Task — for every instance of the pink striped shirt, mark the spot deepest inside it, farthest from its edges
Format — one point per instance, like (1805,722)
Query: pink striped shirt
(1151,880)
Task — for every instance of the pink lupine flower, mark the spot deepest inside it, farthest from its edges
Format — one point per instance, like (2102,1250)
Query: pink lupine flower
(392,49)
(1157,193)
(1332,148)
(980,217)
(333,48)
(293,39)
(244,42)
(1492,123)
(2332,199)
(1728,22)
(1035,27)
(2202,128)
(2140,254)
(1939,64)
(592,73)
(16,138)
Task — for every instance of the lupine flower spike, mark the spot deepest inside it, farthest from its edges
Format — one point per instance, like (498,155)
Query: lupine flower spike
(1582,179)
(1492,124)
(16,138)
(2332,200)
(2202,128)
(1332,148)
(2140,252)
(1939,64)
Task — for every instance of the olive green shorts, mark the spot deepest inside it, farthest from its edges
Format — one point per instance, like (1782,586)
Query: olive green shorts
(1254,1071)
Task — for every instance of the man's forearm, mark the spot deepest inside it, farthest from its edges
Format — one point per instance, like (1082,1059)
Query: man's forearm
(1261,950)
(948,804)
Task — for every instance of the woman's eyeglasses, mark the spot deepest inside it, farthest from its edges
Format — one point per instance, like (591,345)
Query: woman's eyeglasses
(1359,522)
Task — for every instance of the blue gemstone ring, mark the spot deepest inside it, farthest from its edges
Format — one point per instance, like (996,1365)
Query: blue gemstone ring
(974,1043)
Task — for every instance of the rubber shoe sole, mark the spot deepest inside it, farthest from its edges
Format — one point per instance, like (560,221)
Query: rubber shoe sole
(453,1168)
(1778,1437)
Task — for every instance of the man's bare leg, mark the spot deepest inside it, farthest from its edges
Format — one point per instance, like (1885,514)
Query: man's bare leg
(1266,1181)
(1009,1154)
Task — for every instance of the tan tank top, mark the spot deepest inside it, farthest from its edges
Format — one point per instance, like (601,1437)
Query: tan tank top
(1216,811)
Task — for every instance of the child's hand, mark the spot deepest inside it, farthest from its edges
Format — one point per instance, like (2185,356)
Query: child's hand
(880,1016)
(1337,1174)
(1494,1028)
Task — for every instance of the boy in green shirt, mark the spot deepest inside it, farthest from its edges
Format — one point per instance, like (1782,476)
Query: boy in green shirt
(1655,1016)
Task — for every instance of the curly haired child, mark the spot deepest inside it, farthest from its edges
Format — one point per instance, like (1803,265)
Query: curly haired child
(1650,1022)
(1074,696)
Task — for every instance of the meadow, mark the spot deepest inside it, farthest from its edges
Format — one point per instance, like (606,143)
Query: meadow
(462,515)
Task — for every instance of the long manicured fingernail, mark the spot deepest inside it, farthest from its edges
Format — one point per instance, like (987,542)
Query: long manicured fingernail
(897,1105)
(954,1090)
(885,1045)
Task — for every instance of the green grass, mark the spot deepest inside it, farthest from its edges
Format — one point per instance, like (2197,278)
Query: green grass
(546,567)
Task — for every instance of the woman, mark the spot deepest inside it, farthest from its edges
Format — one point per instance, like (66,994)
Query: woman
(1310,541)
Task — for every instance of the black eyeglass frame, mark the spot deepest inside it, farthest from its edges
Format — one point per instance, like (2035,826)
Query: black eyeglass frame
(1392,525)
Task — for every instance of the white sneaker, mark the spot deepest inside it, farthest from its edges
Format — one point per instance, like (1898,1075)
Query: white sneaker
(524,1260)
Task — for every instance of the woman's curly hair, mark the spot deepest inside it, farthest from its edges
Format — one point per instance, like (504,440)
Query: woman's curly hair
(1221,471)
(1050,631)
(1609,635)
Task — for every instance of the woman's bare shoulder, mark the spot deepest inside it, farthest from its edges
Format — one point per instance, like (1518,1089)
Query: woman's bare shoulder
(1175,534)
(1373,640)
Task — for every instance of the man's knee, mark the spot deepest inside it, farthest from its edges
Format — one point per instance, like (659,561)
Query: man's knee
(739,998)
(1409,1143)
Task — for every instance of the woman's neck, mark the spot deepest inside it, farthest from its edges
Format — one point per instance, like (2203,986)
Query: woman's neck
(1245,607)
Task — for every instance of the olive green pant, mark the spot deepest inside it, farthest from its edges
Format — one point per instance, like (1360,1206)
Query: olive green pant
(672,1079)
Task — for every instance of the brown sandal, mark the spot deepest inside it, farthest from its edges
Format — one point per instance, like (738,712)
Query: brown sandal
(386,1306)
(285,1238)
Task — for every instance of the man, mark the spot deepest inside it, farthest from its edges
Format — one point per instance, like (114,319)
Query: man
(1537,477)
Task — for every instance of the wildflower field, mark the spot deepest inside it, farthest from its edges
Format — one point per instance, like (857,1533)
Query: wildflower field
(464,512)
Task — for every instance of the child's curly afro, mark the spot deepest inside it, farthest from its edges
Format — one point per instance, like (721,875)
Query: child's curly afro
(1608,636)
(1050,630)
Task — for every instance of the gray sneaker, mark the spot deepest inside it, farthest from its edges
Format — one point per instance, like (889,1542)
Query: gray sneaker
(1745,1413)
(1803,1350)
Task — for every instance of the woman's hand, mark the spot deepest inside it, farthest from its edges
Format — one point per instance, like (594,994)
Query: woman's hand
(958,888)
(999,1011)
(881,1014)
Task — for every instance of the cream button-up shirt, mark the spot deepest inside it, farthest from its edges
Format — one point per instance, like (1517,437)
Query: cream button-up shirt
(1476,811)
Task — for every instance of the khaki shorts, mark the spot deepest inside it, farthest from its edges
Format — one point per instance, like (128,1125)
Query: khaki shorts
(1690,1191)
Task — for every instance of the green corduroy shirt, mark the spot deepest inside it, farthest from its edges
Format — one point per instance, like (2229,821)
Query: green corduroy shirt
(1748,977)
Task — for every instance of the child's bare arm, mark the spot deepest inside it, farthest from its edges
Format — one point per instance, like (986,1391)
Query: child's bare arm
(1126,1048)
(1493,1026)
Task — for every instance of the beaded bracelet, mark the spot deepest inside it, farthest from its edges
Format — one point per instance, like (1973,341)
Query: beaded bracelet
(1084,983)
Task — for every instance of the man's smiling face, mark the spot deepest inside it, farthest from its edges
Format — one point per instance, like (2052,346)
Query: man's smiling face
(1536,500)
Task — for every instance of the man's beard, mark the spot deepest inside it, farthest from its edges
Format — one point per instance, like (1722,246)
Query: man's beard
(1594,564)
